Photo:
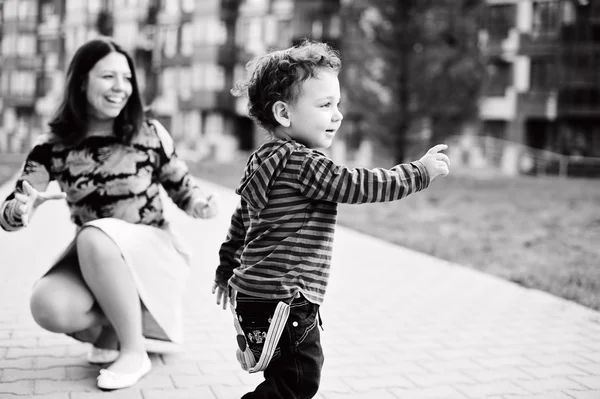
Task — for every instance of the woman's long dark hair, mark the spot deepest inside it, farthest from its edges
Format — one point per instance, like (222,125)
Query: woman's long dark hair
(70,120)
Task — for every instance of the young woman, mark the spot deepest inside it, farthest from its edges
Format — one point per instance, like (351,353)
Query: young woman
(121,279)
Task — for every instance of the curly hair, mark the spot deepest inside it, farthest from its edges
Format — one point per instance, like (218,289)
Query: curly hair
(277,76)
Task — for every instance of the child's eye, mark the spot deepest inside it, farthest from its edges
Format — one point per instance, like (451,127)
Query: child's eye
(326,105)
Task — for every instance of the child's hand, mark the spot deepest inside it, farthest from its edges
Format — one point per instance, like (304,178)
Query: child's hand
(222,294)
(206,208)
(31,199)
(435,162)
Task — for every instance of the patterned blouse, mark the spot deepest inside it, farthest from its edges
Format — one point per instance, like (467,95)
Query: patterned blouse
(103,178)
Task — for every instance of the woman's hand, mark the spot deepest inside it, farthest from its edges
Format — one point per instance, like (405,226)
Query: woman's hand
(206,208)
(31,199)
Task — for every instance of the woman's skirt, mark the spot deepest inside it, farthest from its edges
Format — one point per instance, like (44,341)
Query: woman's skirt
(160,266)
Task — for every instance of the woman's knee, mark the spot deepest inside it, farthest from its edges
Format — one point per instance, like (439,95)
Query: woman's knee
(56,304)
(51,312)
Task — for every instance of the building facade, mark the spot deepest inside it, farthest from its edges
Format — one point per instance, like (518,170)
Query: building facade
(543,59)
(189,54)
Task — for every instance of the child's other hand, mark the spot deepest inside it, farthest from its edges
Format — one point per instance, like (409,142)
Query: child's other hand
(222,294)
(436,163)
(206,208)
(31,199)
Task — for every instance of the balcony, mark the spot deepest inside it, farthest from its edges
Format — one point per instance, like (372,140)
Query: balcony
(537,104)
(579,101)
(540,45)
(499,107)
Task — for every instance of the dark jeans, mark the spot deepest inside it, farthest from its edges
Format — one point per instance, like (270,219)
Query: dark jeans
(295,369)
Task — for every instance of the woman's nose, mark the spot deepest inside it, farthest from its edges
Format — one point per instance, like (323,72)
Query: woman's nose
(119,83)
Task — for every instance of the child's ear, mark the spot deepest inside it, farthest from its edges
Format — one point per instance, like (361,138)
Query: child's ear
(280,112)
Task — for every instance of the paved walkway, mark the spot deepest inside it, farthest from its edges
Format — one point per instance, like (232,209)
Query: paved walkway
(398,324)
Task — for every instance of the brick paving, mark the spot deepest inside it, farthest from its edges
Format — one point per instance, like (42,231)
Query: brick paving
(398,324)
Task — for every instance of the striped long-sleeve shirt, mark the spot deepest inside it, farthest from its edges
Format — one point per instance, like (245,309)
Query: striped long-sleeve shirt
(103,177)
(280,238)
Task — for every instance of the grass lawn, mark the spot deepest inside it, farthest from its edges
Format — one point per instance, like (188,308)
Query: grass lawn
(543,233)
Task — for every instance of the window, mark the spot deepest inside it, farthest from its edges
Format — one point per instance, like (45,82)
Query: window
(317,29)
(253,41)
(170,43)
(184,88)
(335,27)
(542,75)
(23,83)
(499,78)
(94,6)
(581,67)
(188,6)
(213,124)
(126,34)
(270,27)
(499,19)
(171,7)
(4,78)
(207,76)
(546,18)
(168,82)
(209,31)
(27,10)
(26,44)
(187,39)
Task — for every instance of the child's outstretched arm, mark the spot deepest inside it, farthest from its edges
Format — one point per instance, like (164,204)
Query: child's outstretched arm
(321,179)
(229,254)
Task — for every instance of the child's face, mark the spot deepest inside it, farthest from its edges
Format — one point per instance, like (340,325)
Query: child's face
(314,116)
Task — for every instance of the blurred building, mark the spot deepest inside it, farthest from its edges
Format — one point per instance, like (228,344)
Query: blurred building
(20,70)
(189,54)
(264,25)
(543,59)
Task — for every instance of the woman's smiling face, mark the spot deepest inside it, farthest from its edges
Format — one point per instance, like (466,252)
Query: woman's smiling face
(108,86)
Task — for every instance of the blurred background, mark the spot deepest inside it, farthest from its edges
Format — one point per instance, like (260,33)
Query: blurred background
(512,86)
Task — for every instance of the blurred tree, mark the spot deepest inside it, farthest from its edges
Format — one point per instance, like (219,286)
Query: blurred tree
(412,70)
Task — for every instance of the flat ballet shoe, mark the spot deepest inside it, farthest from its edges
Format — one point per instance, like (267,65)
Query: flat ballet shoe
(101,355)
(111,380)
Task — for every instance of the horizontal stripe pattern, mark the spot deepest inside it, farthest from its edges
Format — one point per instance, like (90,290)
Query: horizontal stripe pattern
(104,178)
(281,235)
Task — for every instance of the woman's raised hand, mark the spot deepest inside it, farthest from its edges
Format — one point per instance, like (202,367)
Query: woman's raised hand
(31,199)
(206,208)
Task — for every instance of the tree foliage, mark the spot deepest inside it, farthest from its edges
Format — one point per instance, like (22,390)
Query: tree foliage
(411,66)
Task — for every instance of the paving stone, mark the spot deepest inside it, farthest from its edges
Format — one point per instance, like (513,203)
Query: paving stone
(429,330)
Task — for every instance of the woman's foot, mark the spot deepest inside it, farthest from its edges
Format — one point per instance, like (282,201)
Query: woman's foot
(105,347)
(126,371)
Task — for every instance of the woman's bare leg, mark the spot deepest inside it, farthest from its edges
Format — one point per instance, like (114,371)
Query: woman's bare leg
(62,303)
(109,279)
